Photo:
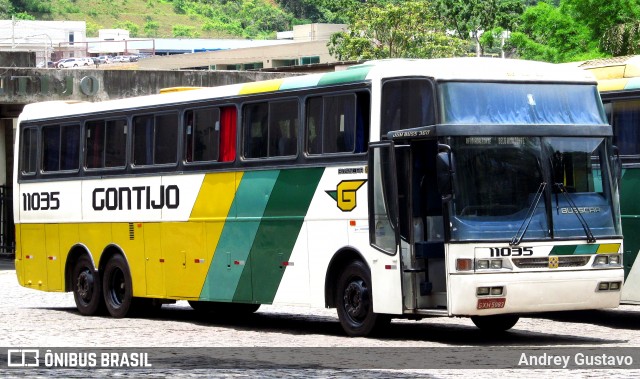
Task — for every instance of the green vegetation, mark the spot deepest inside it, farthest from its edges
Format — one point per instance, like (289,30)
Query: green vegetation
(411,29)
(550,30)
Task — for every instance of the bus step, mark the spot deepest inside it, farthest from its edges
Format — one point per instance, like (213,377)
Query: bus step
(425,288)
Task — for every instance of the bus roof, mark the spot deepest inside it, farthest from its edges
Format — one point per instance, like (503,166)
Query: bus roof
(466,69)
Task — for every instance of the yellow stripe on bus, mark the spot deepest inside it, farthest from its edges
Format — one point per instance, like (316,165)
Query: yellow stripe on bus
(612,85)
(215,197)
(608,248)
(258,87)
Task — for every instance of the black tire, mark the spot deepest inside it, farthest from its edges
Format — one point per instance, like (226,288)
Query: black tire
(87,287)
(116,287)
(224,309)
(354,304)
(495,323)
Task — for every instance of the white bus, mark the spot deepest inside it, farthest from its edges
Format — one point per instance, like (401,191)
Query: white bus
(479,188)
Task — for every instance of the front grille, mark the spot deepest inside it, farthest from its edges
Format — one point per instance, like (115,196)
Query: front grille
(563,262)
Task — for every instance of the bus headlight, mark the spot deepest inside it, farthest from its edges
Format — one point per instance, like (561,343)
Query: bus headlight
(608,260)
(496,264)
(482,264)
(601,260)
(614,259)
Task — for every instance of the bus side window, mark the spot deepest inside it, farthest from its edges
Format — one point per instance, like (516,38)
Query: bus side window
(29,150)
(61,145)
(105,144)
(363,112)
(314,125)
(166,139)
(155,139)
(283,128)
(406,103)
(115,152)
(202,129)
(94,144)
(256,142)
(338,123)
(625,118)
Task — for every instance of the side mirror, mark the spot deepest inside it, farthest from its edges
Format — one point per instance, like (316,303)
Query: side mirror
(443,169)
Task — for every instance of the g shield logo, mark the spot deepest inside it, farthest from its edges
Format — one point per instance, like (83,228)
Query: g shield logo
(345,194)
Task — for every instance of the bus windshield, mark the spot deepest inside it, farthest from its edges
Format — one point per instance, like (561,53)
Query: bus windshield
(558,187)
(521,104)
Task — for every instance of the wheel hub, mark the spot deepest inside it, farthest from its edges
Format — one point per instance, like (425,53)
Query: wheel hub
(356,300)
(85,285)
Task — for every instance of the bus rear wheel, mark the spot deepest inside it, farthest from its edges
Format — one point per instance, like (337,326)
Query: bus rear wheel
(495,323)
(117,288)
(87,289)
(354,304)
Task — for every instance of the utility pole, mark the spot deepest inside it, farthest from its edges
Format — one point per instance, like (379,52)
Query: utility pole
(13,32)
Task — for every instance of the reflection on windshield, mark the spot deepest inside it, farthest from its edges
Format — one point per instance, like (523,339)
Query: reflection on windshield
(498,181)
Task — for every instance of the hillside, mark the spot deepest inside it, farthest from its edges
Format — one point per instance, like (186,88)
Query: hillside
(174,18)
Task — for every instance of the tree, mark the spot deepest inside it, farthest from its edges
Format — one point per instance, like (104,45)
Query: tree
(151,28)
(408,29)
(615,24)
(547,33)
(5,9)
(471,18)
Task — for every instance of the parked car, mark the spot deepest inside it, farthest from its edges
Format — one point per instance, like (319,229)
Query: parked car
(120,58)
(104,59)
(75,62)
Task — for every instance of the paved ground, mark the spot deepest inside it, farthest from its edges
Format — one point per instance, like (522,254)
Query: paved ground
(51,321)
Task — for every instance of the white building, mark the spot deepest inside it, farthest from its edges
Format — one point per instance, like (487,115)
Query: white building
(65,38)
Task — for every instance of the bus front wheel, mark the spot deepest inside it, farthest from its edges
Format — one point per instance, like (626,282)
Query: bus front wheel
(354,304)
(117,288)
(495,323)
(87,289)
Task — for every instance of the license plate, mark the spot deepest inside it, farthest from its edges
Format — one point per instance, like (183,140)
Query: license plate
(491,303)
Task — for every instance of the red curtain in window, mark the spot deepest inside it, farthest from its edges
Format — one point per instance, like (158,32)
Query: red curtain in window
(228,119)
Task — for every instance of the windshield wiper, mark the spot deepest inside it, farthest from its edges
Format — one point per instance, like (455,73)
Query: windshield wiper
(527,220)
(576,211)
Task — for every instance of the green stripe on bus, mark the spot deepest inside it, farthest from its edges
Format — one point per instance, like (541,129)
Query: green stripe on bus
(633,83)
(574,249)
(278,232)
(231,256)
(587,249)
(347,76)
(304,81)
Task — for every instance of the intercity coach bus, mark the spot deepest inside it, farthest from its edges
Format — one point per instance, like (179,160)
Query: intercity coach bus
(619,85)
(480,188)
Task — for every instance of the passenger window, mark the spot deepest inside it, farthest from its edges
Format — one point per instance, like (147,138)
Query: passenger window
(255,130)
(105,143)
(338,123)
(61,145)
(283,128)
(202,134)
(29,150)
(270,129)
(155,139)
(626,136)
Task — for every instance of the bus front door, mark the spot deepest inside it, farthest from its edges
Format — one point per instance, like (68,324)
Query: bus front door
(406,216)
